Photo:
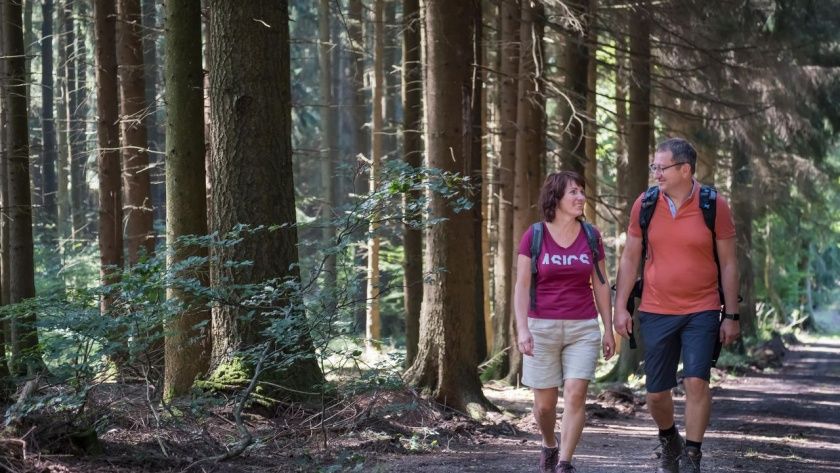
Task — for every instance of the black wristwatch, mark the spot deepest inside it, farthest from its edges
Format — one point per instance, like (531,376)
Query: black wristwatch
(732,316)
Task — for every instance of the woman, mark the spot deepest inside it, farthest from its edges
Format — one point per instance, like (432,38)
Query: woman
(558,332)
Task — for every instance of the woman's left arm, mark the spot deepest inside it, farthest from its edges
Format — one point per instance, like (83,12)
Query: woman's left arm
(604,305)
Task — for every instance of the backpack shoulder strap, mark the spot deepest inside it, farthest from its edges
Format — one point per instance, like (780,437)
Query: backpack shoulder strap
(645,216)
(648,206)
(536,245)
(592,241)
(708,206)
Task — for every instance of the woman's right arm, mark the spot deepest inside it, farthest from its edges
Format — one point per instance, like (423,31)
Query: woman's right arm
(521,299)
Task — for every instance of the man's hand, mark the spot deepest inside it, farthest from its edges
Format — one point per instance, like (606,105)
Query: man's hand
(622,321)
(525,342)
(608,343)
(730,330)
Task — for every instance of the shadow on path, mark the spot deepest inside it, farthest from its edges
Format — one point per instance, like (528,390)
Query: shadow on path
(786,420)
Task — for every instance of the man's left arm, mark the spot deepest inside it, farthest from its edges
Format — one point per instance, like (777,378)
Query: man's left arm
(730,329)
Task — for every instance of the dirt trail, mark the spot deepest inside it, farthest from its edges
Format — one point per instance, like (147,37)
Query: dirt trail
(786,420)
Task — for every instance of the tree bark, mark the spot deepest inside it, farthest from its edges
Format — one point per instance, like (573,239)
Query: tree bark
(21,250)
(391,60)
(75,120)
(251,172)
(50,152)
(530,146)
(360,142)
(591,129)
(446,363)
(108,138)
(187,347)
(78,122)
(5,325)
(329,150)
(137,209)
(639,143)
(475,158)
(64,225)
(412,89)
(373,324)
(511,13)
(742,213)
(575,65)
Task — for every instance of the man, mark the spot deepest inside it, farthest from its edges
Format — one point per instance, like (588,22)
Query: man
(680,307)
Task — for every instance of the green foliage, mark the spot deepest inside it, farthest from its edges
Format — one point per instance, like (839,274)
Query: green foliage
(85,348)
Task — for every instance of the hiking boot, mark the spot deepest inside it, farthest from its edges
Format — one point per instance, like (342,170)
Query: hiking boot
(565,467)
(691,460)
(669,457)
(549,456)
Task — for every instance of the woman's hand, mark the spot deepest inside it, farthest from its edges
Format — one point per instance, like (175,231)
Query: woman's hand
(608,343)
(525,341)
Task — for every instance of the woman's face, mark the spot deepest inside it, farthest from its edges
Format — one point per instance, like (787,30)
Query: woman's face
(573,200)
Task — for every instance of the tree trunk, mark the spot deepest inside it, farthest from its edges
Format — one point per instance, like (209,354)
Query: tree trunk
(624,199)
(391,60)
(6,340)
(50,152)
(108,138)
(64,226)
(187,347)
(510,11)
(153,125)
(21,254)
(71,124)
(576,62)
(75,121)
(475,158)
(373,324)
(412,88)
(446,363)
(490,14)
(329,149)
(639,142)
(591,133)
(530,147)
(360,142)
(139,233)
(251,172)
(78,121)
(742,213)
(769,271)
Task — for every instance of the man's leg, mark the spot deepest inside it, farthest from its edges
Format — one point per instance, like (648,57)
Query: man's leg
(574,415)
(698,341)
(698,406)
(545,414)
(661,335)
(661,407)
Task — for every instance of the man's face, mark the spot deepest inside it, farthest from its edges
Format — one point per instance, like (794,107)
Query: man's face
(667,173)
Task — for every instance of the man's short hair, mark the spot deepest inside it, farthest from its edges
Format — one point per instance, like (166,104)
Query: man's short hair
(681,150)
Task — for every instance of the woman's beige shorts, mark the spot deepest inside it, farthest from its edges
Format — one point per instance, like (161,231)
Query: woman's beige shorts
(563,349)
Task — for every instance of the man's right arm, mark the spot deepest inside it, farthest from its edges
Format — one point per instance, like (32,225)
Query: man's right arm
(628,269)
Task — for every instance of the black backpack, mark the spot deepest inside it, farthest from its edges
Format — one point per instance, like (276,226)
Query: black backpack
(536,244)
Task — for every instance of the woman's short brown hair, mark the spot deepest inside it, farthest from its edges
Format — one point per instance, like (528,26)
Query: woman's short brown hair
(554,188)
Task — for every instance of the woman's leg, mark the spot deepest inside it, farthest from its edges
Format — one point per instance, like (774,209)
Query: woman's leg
(545,413)
(574,415)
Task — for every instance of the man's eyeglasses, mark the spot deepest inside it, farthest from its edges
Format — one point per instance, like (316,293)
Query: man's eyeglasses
(655,168)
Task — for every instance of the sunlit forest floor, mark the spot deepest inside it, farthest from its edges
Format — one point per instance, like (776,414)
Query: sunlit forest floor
(782,419)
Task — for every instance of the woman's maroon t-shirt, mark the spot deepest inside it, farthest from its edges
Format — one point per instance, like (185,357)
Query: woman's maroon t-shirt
(564,289)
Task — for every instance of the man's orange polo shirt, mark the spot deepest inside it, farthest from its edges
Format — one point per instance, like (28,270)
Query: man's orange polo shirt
(680,273)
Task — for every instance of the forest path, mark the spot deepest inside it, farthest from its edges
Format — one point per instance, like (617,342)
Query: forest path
(785,420)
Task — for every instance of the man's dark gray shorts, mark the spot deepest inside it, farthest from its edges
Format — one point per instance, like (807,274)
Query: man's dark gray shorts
(665,337)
